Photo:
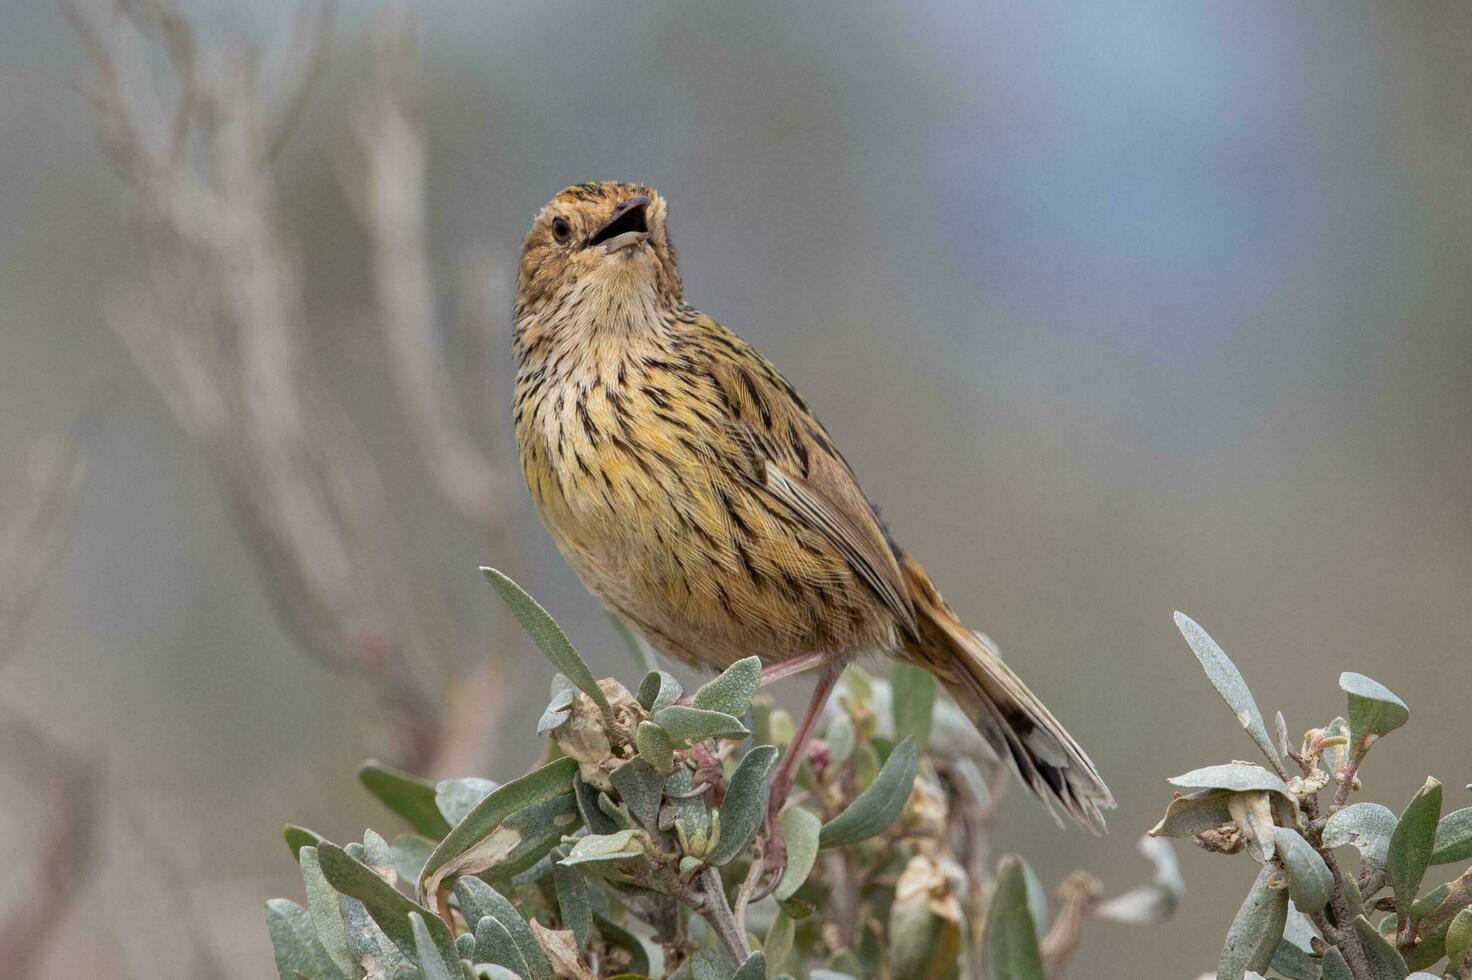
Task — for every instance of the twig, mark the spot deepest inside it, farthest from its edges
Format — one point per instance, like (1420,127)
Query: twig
(717,912)
(1346,779)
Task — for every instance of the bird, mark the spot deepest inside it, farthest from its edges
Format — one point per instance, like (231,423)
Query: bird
(696,495)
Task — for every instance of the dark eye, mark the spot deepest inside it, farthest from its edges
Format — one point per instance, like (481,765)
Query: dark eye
(561,230)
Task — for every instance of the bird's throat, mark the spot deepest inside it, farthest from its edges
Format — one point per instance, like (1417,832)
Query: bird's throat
(598,318)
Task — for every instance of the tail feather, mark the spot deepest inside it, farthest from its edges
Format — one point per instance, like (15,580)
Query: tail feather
(1018,726)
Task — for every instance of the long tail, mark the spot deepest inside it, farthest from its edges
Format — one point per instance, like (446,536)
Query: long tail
(1018,726)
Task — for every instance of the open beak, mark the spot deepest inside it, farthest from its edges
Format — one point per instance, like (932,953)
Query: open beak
(628,226)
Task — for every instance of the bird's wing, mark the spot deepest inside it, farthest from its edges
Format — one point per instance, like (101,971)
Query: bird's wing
(782,448)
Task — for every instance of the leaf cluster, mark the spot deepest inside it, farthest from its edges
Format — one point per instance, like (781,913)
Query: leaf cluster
(643,846)
(1308,915)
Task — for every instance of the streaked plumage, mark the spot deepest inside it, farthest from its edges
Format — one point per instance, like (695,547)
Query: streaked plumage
(694,492)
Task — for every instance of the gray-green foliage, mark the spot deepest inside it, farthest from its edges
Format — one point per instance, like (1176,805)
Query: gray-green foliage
(644,842)
(1308,915)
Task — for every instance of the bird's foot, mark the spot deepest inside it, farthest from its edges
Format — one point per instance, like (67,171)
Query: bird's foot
(773,856)
(774,847)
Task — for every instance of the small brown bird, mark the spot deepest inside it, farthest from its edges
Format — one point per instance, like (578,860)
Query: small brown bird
(697,496)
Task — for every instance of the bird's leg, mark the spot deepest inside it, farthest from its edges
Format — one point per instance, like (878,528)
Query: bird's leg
(796,665)
(787,770)
(778,671)
(774,856)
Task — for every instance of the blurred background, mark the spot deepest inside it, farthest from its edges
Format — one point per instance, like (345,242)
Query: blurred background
(1115,310)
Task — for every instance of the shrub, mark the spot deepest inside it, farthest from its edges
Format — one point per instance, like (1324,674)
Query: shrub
(1305,917)
(641,847)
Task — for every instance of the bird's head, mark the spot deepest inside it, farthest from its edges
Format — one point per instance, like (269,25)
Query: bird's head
(607,240)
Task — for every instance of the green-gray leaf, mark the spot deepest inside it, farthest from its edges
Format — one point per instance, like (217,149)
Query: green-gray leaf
(299,953)
(377,855)
(409,796)
(541,827)
(1453,837)
(746,804)
(1384,960)
(1189,815)
(800,830)
(1294,962)
(474,844)
(755,968)
(431,963)
(1373,709)
(618,846)
(640,787)
(547,635)
(615,936)
(1411,844)
(384,903)
(574,903)
(912,690)
(1228,682)
(479,901)
(456,797)
(1239,777)
(494,945)
(778,942)
(689,809)
(880,804)
(1010,940)
(1281,725)
(1309,881)
(686,724)
(1459,936)
(1337,756)
(366,940)
(300,837)
(1367,826)
(326,912)
(841,737)
(408,852)
(655,747)
(1334,966)
(731,691)
(1431,935)
(558,710)
(658,690)
(1037,898)
(1256,931)
(593,816)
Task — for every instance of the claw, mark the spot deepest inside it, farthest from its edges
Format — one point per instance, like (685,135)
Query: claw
(690,794)
(774,855)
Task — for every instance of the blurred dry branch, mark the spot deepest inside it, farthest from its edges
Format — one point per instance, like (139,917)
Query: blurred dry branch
(33,529)
(65,791)
(391,202)
(217,324)
(470,466)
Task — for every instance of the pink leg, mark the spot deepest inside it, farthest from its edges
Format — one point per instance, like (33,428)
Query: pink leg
(796,665)
(787,770)
(786,668)
(774,848)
